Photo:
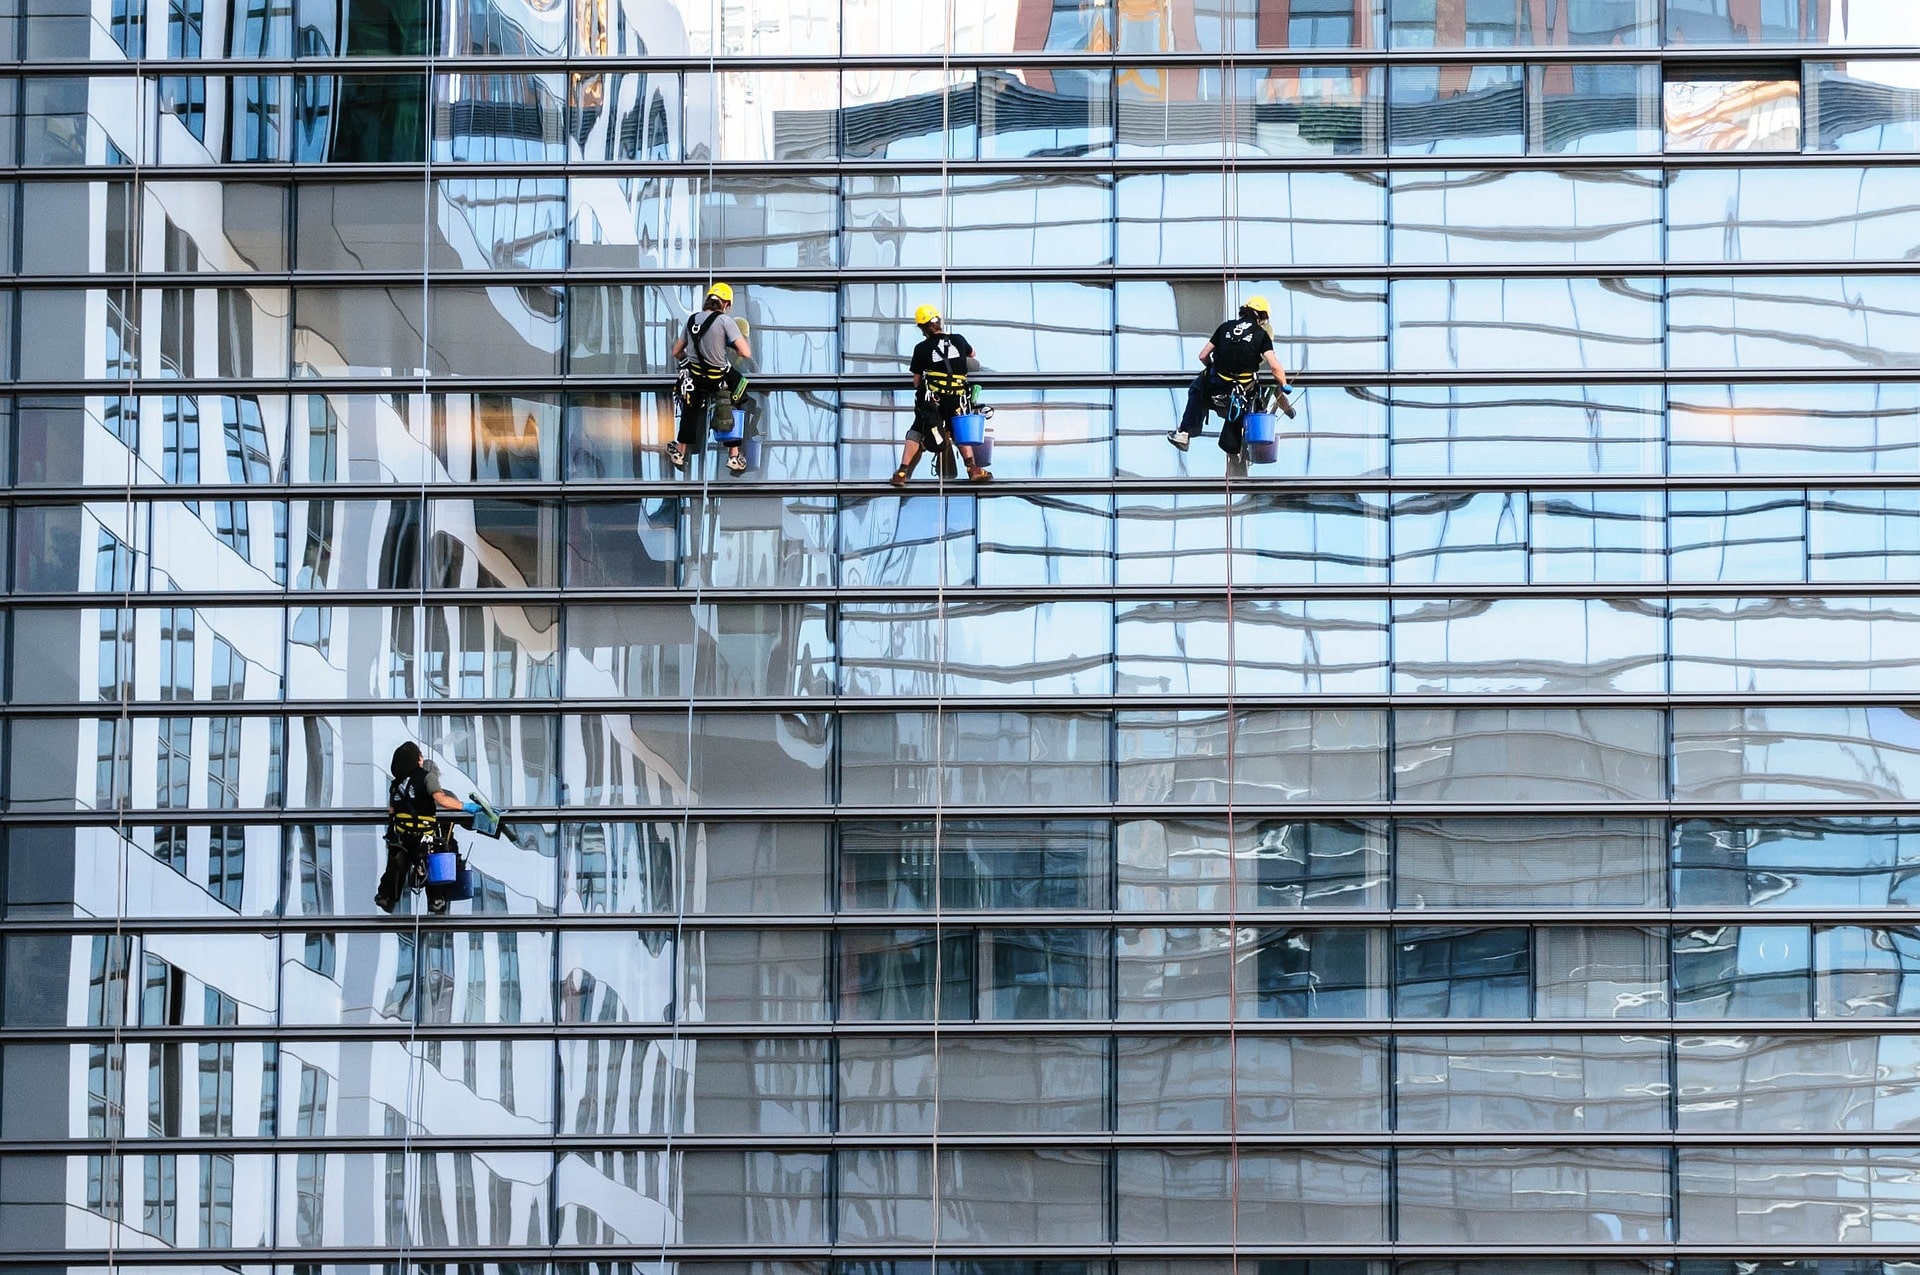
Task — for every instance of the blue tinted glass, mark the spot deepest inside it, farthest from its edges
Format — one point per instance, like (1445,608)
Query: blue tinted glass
(1456,110)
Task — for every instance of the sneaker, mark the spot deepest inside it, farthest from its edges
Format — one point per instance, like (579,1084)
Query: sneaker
(899,478)
(736,463)
(676,455)
(975,474)
(1179,438)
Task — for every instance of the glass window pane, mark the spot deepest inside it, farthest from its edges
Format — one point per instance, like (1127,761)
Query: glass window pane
(616,222)
(1796,1084)
(495,331)
(359,331)
(907,113)
(1732,114)
(361,119)
(1316,972)
(1282,1084)
(1462,973)
(1182,865)
(493,544)
(1812,321)
(498,223)
(1601,537)
(1862,753)
(1448,536)
(1049,112)
(1725,645)
(1743,971)
(1045,542)
(71,120)
(1530,863)
(226,227)
(978,758)
(1003,865)
(669,652)
(1867,972)
(976,648)
(1460,109)
(1296,219)
(1530,644)
(1611,108)
(1863,535)
(625,116)
(1182,756)
(1327,1196)
(1858,863)
(1600,972)
(1792,213)
(749,759)
(1420,24)
(1525,1084)
(1863,106)
(1279,647)
(761,116)
(1327,538)
(1474,215)
(1174,973)
(1534,1195)
(1520,754)
(1794,429)
(1493,324)
(740,976)
(511,118)
(1781,1195)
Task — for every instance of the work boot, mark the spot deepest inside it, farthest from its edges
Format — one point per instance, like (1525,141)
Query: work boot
(1179,438)
(975,474)
(900,477)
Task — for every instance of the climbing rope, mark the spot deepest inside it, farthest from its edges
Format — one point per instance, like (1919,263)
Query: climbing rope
(116,1003)
(705,515)
(414,1101)
(938,769)
(1230,285)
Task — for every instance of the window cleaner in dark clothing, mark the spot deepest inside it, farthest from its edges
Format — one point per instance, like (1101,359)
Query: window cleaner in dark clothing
(707,376)
(940,392)
(415,802)
(1232,359)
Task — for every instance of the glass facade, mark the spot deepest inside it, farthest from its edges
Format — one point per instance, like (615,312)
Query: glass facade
(1474,843)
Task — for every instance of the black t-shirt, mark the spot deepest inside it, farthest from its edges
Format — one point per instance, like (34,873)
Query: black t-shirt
(412,793)
(943,352)
(1239,345)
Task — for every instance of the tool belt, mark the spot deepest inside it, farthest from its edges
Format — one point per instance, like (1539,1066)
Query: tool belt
(1232,401)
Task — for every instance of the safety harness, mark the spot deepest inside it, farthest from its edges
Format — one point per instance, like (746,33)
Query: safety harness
(949,379)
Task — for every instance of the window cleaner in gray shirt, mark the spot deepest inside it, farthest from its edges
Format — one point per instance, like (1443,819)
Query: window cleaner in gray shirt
(708,378)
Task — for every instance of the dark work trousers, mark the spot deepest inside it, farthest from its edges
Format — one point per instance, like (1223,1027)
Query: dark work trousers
(1200,396)
(693,416)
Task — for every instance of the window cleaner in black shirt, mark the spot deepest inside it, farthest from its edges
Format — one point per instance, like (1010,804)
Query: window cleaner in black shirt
(1231,359)
(707,376)
(415,801)
(940,392)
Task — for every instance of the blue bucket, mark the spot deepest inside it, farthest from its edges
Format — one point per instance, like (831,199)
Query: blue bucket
(443,867)
(1262,427)
(1262,453)
(970,428)
(462,888)
(733,432)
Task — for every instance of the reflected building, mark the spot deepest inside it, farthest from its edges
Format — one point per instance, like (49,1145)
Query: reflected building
(1484,836)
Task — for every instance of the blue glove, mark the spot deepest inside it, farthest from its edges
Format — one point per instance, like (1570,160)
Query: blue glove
(471,807)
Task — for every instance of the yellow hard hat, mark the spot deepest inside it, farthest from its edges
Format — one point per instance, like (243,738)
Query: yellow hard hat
(722,291)
(1257,302)
(926,314)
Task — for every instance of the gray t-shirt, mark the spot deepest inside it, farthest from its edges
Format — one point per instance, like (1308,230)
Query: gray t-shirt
(712,347)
